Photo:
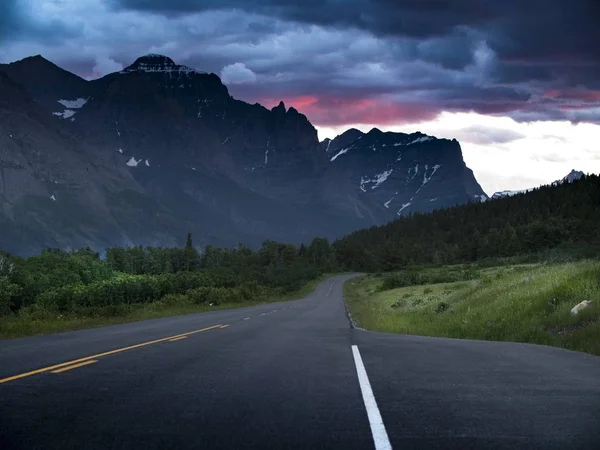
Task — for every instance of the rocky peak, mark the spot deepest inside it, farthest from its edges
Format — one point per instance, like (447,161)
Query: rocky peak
(375,132)
(153,63)
(45,82)
(279,109)
(573,176)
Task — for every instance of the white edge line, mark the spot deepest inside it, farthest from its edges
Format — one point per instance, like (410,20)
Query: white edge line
(380,437)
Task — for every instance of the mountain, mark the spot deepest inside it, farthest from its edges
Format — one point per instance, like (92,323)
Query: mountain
(404,173)
(147,154)
(572,176)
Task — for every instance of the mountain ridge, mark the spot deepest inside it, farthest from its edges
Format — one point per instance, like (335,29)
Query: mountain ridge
(171,151)
(569,178)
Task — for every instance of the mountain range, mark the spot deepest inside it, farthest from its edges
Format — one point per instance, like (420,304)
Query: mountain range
(144,155)
(569,178)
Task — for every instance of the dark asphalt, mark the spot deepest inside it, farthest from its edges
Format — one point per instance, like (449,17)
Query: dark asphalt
(286,378)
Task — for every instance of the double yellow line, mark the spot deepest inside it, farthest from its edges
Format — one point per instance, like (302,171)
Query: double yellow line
(63,367)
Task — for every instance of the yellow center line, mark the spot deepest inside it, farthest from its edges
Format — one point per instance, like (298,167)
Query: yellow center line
(75,366)
(99,355)
(178,338)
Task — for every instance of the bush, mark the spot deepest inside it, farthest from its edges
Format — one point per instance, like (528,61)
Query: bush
(441,307)
(175,299)
(199,295)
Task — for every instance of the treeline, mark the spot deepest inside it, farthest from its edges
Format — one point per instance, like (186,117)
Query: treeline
(564,217)
(80,282)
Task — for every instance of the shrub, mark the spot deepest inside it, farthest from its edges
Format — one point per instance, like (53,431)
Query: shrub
(175,299)
(441,307)
(199,295)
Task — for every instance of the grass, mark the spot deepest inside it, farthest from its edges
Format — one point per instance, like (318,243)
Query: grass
(35,324)
(520,302)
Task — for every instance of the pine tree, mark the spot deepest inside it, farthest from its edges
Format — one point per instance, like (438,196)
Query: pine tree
(191,257)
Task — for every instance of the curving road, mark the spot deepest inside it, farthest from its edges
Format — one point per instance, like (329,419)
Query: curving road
(290,375)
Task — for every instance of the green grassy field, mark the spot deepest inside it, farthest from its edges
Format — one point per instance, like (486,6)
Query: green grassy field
(30,324)
(522,303)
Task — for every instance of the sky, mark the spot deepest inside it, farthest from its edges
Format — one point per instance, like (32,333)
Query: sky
(517,82)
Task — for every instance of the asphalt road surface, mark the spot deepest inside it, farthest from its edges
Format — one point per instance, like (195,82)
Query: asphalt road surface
(290,375)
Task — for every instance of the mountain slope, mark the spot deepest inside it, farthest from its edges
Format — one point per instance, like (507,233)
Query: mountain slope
(405,173)
(52,193)
(159,149)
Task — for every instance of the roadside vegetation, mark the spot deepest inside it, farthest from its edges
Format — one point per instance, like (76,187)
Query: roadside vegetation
(510,302)
(505,269)
(60,290)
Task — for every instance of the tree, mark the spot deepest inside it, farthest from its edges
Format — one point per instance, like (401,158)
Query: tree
(191,256)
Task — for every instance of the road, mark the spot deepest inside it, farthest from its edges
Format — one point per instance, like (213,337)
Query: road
(290,375)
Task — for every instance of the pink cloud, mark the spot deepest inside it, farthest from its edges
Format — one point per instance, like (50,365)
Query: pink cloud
(340,111)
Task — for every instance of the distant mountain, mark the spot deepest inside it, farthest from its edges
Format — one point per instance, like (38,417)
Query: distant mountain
(147,154)
(404,173)
(572,176)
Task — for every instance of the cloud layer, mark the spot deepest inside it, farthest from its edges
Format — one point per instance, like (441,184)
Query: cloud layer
(341,61)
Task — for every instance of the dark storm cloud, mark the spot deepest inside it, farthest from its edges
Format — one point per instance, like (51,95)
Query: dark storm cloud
(525,48)
(18,22)
(414,18)
(387,60)
(9,18)
(541,30)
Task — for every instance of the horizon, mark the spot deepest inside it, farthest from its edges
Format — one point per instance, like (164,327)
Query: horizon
(526,112)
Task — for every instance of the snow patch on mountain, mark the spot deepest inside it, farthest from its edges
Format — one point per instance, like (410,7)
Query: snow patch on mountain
(381,177)
(404,206)
(427,178)
(147,163)
(65,114)
(503,194)
(410,169)
(341,152)
(420,140)
(53,198)
(377,179)
(133,163)
(387,204)
(362,184)
(73,104)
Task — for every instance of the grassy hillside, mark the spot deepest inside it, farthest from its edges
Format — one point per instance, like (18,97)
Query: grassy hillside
(521,302)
